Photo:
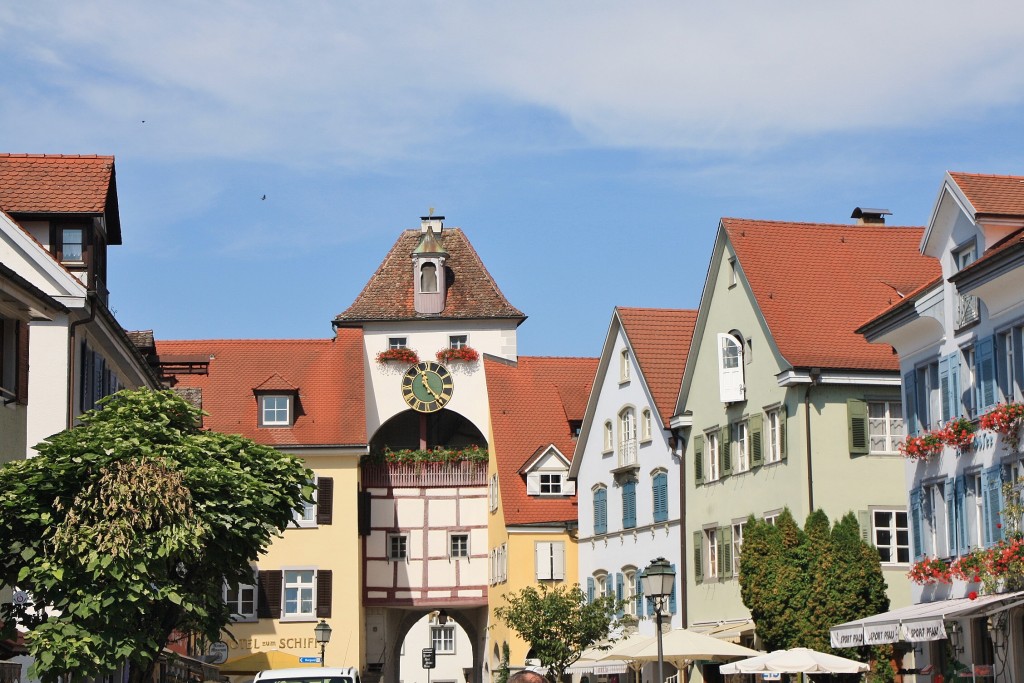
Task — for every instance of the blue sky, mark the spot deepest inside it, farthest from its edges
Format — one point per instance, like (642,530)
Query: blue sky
(588,149)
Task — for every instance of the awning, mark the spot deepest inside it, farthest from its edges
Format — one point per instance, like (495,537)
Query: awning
(733,632)
(916,623)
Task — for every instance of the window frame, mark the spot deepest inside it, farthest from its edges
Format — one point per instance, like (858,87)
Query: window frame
(398,546)
(737,545)
(710,538)
(646,425)
(893,529)
(62,231)
(492,492)
(625,366)
(892,438)
(609,437)
(554,482)
(307,519)
(398,343)
(456,539)
(711,449)
(287,585)
(289,409)
(237,615)
(443,631)
(740,445)
(773,434)
(627,446)
(629,574)
(458,341)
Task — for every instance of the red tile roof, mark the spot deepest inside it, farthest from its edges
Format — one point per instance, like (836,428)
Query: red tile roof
(60,184)
(992,195)
(817,283)
(472,293)
(660,338)
(328,374)
(531,404)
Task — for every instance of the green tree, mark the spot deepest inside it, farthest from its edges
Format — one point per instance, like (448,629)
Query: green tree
(126,528)
(558,622)
(798,583)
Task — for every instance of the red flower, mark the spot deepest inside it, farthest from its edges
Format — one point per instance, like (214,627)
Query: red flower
(999,525)
(975,579)
(973,595)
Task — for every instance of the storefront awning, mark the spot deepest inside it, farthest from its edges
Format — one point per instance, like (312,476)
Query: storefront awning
(734,632)
(916,623)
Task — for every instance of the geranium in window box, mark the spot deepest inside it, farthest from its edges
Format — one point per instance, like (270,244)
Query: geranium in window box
(930,570)
(1005,418)
(958,433)
(969,567)
(399,355)
(922,447)
(465,354)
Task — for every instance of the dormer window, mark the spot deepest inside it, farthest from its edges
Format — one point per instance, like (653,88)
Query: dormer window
(551,483)
(276,410)
(428,278)
(72,244)
(625,366)
(547,474)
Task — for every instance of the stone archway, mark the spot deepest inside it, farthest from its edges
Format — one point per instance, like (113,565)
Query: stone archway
(400,621)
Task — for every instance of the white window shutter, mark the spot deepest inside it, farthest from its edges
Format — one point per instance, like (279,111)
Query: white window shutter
(558,561)
(542,551)
(730,369)
(568,487)
(533,483)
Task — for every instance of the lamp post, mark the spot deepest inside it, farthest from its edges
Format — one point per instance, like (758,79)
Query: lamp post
(658,580)
(323,636)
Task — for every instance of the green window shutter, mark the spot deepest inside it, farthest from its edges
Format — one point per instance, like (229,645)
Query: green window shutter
(725,565)
(720,540)
(698,459)
(857,425)
(782,432)
(698,561)
(756,426)
(864,522)
(724,452)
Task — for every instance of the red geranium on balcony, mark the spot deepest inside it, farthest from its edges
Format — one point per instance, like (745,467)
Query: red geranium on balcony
(921,447)
(958,433)
(1005,418)
(399,355)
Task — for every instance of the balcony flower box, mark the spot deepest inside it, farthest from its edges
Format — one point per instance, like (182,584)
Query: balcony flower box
(922,447)
(958,433)
(464,354)
(401,355)
(1006,419)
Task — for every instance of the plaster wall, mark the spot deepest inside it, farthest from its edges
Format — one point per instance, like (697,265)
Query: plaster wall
(469,398)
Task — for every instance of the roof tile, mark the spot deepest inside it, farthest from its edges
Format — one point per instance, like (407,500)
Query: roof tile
(660,338)
(992,195)
(55,183)
(817,283)
(531,404)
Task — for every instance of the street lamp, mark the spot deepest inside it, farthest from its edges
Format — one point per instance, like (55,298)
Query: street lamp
(658,580)
(323,636)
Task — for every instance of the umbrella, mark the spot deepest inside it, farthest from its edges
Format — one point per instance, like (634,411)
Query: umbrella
(797,660)
(679,646)
(261,661)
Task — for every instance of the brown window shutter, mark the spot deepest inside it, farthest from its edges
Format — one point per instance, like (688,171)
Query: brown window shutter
(270,594)
(323,593)
(22,362)
(324,500)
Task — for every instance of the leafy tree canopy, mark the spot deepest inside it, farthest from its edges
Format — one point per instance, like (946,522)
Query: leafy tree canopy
(126,528)
(798,583)
(558,622)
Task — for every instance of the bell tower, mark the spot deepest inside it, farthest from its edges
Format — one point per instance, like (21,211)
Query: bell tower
(428,275)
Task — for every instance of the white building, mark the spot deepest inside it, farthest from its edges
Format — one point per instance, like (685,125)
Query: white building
(959,338)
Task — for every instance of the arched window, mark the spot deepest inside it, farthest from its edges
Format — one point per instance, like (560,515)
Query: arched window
(630,583)
(730,368)
(645,425)
(428,277)
(609,436)
(627,436)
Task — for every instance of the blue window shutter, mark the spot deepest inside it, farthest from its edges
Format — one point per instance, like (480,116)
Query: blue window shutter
(660,490)
(916,524)
(629,505)
(1018,358)
(672,596)
(601,511)
(620,593)
(910,401)
(985,372)
(968,392)
(949,493)
(590,589)
(945,390)
(1003,379)
(991,487)
(963,539)
(954,385)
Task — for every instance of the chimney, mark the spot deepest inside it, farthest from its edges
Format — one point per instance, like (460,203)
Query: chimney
(870,216)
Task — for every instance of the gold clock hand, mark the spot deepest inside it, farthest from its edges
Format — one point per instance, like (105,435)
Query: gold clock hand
(426,385)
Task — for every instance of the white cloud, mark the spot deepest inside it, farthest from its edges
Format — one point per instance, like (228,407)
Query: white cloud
(359,83)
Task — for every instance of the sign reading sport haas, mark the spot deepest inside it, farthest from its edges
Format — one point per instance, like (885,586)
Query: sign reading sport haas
(428,658)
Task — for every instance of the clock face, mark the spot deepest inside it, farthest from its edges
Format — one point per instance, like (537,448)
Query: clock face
(427,386)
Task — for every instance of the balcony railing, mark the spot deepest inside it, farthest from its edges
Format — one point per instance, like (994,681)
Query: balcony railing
(627,452)
(425,474)
(966,311)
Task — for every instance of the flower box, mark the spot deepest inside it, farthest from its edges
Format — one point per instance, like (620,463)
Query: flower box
(922,447)
(1006,419)
(465,354)
(400,355)
(958,433)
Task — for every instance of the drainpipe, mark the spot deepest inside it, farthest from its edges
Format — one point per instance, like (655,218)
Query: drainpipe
(681,574)
(815,378)
(90,298)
